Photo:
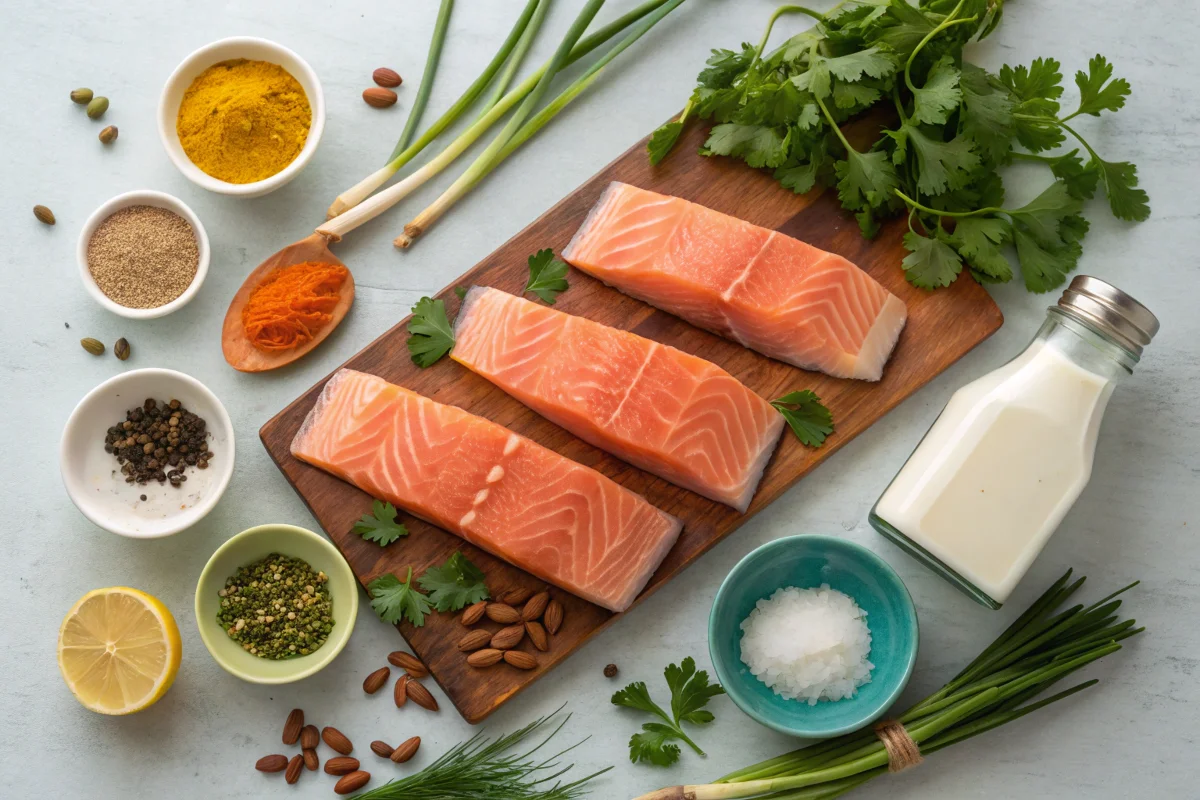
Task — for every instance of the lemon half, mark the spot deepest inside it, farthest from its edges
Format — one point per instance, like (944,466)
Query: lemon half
(118,650)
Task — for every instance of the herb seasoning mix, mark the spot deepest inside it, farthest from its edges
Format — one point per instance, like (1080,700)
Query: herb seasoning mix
(278,607)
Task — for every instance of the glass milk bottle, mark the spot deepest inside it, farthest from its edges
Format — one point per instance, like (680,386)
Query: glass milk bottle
(1011,452)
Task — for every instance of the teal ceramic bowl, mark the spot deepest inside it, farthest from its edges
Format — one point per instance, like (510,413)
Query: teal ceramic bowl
(250,546)
(807,562)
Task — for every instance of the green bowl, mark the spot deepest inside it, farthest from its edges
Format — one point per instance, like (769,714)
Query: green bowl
(807,562)
(250,546)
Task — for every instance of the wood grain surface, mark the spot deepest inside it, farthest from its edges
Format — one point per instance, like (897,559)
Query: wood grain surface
(942,327)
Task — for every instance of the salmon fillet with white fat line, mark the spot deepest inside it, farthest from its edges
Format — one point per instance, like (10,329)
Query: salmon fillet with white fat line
(767,291)
(559,520)
(658,408)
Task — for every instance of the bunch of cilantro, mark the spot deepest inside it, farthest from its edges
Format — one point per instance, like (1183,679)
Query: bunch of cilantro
(957,125)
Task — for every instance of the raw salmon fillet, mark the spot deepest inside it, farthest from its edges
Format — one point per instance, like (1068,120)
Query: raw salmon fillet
(769,292)
(660,409)
(561,521)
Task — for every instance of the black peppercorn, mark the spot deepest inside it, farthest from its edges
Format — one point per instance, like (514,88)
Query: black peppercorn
(153,437)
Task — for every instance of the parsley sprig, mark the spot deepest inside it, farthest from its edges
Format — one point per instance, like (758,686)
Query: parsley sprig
(393,600)
(547,276)
(690,692)
(431,335)
(958,124)
(454,585)
(808,418)
(380,525)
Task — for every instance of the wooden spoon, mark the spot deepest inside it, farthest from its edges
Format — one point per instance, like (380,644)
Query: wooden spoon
(240,352)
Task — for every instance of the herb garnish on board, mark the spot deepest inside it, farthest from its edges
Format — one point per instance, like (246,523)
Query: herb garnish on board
(380,525)
(393,600)
(808,418)
(690,692)
(956,125)
(454,585)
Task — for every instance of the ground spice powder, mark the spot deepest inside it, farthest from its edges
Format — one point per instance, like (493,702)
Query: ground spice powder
(292,305)
(243,121)
(143,256)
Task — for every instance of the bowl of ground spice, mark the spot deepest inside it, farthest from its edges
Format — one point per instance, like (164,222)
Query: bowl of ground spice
(276,603)
(143,254)
(241,116)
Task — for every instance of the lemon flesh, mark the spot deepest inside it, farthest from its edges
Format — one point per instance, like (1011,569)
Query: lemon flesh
(118,650)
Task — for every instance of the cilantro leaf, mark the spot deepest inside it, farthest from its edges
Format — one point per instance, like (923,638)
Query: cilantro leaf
(690,692)
(461,291)
(936,100)
(454,585)
(987,117)
(1096,93)
(808,418)
(547,276)
(979,241)
(906,27)
(757,145)
(1040,81)
(800,178)
(854,95)
(1080,180)
(653,745)
(636,695)
(873,61)
(865,179)
(380,525)
(662,140)
(1041,216)
(431,335)
(393,600)
(725,65)
(1042,267)
(941,165)
(1120,183)
(930,262)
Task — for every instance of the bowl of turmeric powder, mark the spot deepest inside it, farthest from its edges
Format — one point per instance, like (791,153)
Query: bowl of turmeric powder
(241,116)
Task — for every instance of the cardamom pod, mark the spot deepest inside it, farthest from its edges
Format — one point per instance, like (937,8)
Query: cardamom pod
(96,107)
(93,346)
(109,134)
(81,96)
(120,349)
(44,214)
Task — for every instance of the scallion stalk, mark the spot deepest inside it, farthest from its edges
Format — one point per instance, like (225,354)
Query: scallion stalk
(432,58)
(514,62)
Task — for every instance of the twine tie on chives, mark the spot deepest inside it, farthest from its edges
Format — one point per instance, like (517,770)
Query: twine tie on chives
(902,751)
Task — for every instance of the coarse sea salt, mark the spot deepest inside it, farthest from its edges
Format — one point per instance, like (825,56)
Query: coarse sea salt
(808,644)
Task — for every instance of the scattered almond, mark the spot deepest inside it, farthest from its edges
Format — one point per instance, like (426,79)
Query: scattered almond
(375,681)
(311,762)
(508,638)
(553,617)
(520,659)
(336,740)
(382,749)
(352,782)
(485,658)
(293,768)
(44,215)
(517,596)
(291,728)
(420,695)
(401,693)
(409,663)
(406,750)
(535,607)
(341,765)
(473,641)
(502,613)
(274,763)
(387,77)
(379,97)
(310,737)
(537,635)
(474,613)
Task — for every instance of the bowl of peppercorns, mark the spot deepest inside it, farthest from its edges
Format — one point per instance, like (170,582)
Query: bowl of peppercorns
(147,453)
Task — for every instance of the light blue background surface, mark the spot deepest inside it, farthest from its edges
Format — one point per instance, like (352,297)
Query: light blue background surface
(1134,735)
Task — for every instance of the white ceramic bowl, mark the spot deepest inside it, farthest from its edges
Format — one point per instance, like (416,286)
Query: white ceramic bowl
(142,197)
(94,481)
(255,49)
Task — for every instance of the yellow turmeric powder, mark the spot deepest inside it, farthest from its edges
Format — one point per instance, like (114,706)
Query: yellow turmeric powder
(242,121)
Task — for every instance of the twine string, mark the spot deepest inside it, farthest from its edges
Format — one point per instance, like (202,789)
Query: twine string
(902,751)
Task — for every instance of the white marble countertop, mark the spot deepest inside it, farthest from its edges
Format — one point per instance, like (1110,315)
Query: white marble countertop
(1134,735)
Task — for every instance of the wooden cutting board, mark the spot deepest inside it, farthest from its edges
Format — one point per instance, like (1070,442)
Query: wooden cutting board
(942,327)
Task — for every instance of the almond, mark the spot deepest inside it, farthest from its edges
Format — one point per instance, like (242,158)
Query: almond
(553,617)
(537,635)
(293,768)
(375,681)
(293,726)
(341,765)
(310,759)
(502,613)
(387,77)
(409,663)
(336,740)
(508,638)
(310,737)
(420,695)
(517,596)
(382,749)
(473,613)
(275,763)
(352,782)
(535,607)
(406,750)
(401,693)
(473,641)
(520,659)
(379,97)
(484,658)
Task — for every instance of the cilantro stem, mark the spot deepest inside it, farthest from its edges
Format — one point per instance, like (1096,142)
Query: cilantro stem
(779,12)
(948,22)
(940,213)
(834,125)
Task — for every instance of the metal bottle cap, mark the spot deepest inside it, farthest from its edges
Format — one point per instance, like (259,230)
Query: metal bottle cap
(1106,307)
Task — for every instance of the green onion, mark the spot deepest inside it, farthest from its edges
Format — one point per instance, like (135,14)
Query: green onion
(514,63)
(1037,651)
(440,26)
